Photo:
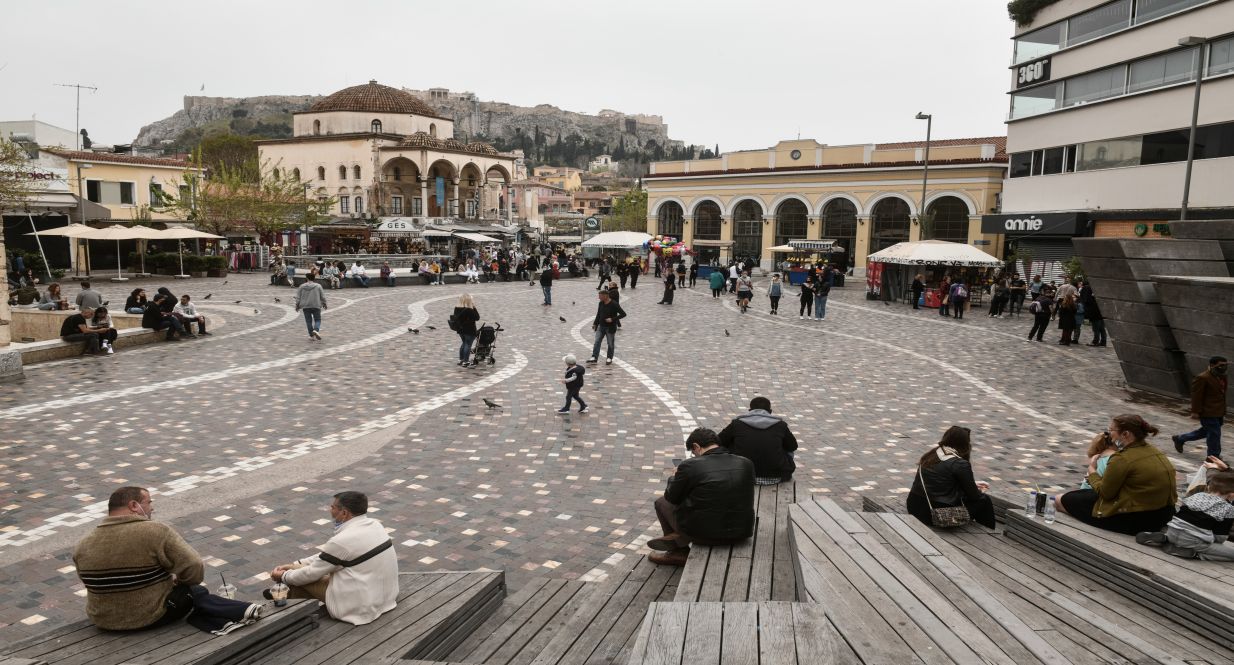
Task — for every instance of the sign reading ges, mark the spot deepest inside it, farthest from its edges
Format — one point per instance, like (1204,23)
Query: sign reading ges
(1032,72)
(1041,223)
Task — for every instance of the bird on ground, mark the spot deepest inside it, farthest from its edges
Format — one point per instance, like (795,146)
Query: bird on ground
(255,311)
(572,302)
(413,331)
(562,318)
(239,302)
(278,300)
(430,327)
(224,281)
(207,296)
(726,333)
(490,404)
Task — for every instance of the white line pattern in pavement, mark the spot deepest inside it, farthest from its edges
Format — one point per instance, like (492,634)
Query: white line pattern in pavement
(96,511)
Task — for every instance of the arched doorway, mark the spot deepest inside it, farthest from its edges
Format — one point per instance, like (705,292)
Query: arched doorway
(470,183)
(840,224)
(401,174)
(669,219)
(791,216)
(707,227)
(747,230)
(888,223)
(441,190)
(950,219)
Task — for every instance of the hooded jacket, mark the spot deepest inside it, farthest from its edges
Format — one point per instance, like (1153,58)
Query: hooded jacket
(764,439)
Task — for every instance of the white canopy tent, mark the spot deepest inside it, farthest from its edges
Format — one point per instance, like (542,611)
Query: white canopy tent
(935,253)
(618,240)
(477,237)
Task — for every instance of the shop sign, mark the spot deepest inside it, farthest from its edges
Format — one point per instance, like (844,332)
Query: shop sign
(1027,223)
(1032,73)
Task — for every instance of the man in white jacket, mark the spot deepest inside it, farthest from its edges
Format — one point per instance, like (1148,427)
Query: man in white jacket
(356,572)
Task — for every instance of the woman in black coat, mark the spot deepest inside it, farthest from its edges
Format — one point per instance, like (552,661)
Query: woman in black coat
(918,288)
(948,478)
(807,298)
(670,285)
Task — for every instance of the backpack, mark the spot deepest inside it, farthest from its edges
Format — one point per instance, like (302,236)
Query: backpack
(961,292)
(1035,307)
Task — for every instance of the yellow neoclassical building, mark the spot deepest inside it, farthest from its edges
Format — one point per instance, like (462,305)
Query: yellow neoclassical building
(867,197)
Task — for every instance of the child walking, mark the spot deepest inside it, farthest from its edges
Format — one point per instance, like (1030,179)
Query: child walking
(574,383)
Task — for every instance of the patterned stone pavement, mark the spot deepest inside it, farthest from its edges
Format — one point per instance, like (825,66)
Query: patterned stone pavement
(243,437)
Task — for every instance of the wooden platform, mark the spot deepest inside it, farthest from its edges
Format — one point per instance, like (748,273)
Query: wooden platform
(436,611)
(898,591)
(181,644)
(758,569)
(552,622)
(739,634)
(1198,593)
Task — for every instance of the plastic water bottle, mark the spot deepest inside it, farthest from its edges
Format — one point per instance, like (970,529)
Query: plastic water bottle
(1050,510)
(1030,508)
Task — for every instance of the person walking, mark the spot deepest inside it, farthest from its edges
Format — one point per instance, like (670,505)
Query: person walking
(716,281)
(944,296)
(463,321)
(605,271)
(670,285)
(1040,308)
(1092,312)
(734,271)
(774,291)
(546,285)
(1208,403)
(623,272)
(745,291)
(693,273)
(573,382)
(635,269)
(822,289)
(311,299)
(807,298)
(918,288)
(959,297)
(1066,319)
(608,319)
(681,274)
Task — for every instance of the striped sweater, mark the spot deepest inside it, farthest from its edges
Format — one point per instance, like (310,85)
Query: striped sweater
(127,565)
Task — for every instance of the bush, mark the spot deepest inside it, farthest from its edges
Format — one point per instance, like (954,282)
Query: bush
(1023,11)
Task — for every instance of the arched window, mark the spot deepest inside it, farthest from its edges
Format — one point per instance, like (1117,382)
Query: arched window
(316,126)
(359,204)
(888,224)
(275,173)
(747,229)
(669,219)
(950,219)
(840,224)
(355,171)
(432,129)
(707,221)
(295,173)
(342,172)
(791,218)
(321,173)
(376,127)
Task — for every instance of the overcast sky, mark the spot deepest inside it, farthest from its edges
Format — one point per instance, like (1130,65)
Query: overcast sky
(740,74)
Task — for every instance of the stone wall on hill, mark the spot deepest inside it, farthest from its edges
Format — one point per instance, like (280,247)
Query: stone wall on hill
(199,111)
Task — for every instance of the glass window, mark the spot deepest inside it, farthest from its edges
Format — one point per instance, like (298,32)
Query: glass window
(1164,147)
(1109,154)
(1214,141)
(93,191)
(1036,100)
(359,204)
(1021,164)
(1069,160)
(791,217)
(670,218)
(417,207)
(950,219)
(127,194)
(1162,70)
(1096,85)
(376,127)
(1147,10)
(344,204)
(321,173)
(1100,21)
(1036,162)
(355,171)
(1052,161)
(1220,57)
(396,205)
(707,221)
(342,173)
(1039,42)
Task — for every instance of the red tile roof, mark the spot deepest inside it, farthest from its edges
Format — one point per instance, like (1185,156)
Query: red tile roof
(116,158)
(375,98)
(1000,143)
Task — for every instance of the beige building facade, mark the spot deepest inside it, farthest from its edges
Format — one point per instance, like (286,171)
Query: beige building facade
(130,187)
(867,197)
(381,152)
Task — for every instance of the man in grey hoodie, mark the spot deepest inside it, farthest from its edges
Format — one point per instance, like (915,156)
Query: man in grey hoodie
(763,439)
(311,299)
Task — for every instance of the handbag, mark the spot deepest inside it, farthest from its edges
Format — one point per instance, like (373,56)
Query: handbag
(944,518)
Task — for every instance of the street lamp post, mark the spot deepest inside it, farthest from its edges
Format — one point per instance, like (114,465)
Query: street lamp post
(304,236)
(925,172)
(81,219)
(1195,117)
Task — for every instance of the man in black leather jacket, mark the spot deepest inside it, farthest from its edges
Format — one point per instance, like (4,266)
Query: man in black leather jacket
(709,501)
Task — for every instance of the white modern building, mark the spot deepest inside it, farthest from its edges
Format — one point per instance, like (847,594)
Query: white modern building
(1101,97)
(38,132)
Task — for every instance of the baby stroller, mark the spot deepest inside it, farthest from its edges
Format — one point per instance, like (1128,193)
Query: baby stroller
(486,341)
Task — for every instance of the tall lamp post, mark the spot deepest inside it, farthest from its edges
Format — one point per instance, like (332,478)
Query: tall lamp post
(1195,116)
(304,238)
(81,219)
(925,172)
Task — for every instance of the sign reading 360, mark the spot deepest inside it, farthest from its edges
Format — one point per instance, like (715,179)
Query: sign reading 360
(1032,72)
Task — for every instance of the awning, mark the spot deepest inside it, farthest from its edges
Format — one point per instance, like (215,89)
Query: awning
(566,239)
(934,252)
(815,245)
(712,243)
(618,240)
(434,233)
(477,237)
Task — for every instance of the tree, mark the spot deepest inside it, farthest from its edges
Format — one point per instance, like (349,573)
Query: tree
(15,178)
(629,212)
(236,153)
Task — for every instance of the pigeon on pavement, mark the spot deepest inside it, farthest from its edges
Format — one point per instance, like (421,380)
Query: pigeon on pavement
(413,331)
(278,300)
(726,333)
(207,296)
(490,404)
(563,319)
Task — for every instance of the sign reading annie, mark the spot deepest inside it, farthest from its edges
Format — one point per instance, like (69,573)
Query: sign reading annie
(1028,223)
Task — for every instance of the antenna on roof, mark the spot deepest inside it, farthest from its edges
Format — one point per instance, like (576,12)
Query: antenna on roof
(79,88)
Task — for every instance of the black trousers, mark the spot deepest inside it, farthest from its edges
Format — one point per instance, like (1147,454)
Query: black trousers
(1041,322)
(91,340)
(982,510)
(775,303)
(1080,503)
(916,299)
(668,296)
(807,306)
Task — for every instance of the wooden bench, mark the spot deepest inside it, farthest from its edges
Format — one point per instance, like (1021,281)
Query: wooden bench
(567,622)
(1193,592)
(180,644)
(435,612)
(758,569)
(899,591)
(768,633)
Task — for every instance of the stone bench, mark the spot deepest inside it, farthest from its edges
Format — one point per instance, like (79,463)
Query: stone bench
(413,279)
(56,349)
(36,325)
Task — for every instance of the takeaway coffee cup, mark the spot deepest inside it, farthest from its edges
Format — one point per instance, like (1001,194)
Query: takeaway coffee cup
(227,591)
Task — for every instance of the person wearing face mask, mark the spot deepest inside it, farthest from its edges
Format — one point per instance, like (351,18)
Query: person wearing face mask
(1138,490)
(141,574)
(1208,402)
(356,572)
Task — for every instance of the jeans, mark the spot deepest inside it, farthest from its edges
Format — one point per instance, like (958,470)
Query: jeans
(916,299)
(572,394)
(602,333)
(362,280)
(135,310)
(172,324)
(548,294)
(633,279)
(312,319)
(958,307)
(464,347)
(48,306)
(391,280)
(1017,302)
(1099,336)
(1210,429)
(92,341)
(820,308)
(715,293)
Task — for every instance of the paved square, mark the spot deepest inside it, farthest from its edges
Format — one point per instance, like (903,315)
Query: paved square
(244,436)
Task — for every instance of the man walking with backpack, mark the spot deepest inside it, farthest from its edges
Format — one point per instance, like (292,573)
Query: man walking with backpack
(1041,308)
(959,297)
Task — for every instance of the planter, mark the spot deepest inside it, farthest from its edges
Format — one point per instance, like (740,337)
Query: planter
(216,273)
(198,274)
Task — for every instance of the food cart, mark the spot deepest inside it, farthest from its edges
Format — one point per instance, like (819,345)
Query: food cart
(889,272)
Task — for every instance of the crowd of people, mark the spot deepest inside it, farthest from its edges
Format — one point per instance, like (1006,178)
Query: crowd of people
(92,324)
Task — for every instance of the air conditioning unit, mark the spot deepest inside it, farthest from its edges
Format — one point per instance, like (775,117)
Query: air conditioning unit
(353,215)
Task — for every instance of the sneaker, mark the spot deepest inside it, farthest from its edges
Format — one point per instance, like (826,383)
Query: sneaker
(1150,538)
(801,317)
(316,335)
(592,361)
(583,410)
(565,410)
(608,361)
(207,334)
(254,612)
(108,350)
(1178,443)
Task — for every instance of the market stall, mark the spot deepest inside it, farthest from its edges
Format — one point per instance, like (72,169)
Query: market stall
(801,252)
(890,272)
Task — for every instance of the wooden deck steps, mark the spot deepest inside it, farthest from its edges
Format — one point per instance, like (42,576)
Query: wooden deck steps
(436,611)
(81,643)
(758,569)
(1192,592)
(551,622)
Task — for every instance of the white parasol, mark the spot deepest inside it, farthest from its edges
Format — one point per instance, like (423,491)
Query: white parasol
(182,234)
